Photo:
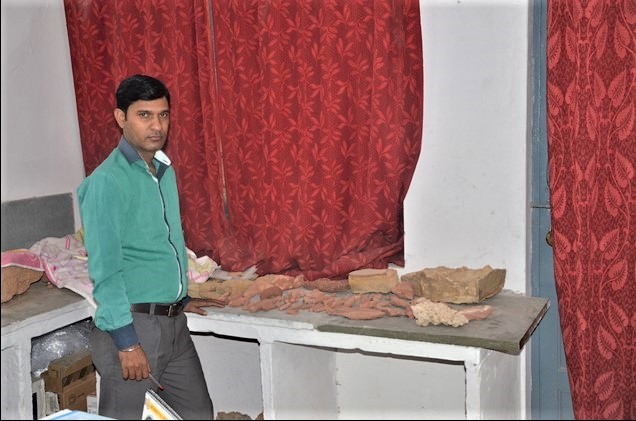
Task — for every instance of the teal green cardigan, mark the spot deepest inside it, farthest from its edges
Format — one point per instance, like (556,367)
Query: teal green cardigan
(133,238)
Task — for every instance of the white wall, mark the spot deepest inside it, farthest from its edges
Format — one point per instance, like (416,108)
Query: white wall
(467,203)
(41,153)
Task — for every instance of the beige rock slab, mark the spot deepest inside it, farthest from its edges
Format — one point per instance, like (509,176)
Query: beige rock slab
(373,280)
(457,285)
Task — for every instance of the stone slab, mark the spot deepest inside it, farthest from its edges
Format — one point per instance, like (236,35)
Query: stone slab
(507,329)
(40,299)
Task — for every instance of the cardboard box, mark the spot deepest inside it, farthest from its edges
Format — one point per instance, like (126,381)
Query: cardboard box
(74,395)
(72,378)
(66,370)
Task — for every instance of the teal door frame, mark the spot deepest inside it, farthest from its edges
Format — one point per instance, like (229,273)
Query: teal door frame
(550,395)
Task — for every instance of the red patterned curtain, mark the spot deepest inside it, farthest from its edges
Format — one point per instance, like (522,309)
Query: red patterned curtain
(110,40)
(592,162)
(168,39)
(296,126)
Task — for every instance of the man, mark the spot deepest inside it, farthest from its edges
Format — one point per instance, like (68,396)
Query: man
(137,262)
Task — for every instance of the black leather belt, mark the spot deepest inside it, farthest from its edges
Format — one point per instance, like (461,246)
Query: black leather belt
(170,310)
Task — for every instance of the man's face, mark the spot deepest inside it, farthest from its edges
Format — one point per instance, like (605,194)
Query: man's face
(145,125)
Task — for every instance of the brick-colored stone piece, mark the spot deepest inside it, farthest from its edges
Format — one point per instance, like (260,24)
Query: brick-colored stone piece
(373,280)
(17,280)
(457,285)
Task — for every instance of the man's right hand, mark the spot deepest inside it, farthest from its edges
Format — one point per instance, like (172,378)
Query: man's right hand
(134,364)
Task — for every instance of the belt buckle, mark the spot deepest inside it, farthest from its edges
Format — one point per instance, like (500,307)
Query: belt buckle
(174,309)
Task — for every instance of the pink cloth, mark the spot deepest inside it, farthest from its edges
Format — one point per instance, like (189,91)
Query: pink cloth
(22,258)
(65,264)
(63,260)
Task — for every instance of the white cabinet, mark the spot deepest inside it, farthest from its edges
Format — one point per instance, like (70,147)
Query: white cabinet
(40,310)
(315,366)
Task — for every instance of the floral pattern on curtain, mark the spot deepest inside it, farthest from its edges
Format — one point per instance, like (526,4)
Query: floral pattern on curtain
(112,40)
(318,117)
(167,39)
(591,58)
(296,126)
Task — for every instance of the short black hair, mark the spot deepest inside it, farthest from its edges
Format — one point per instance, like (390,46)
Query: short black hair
(140,87)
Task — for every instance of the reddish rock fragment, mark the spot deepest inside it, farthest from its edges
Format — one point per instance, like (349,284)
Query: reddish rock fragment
(328,285)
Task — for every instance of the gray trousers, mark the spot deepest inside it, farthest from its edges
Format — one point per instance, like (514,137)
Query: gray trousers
(173,360)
